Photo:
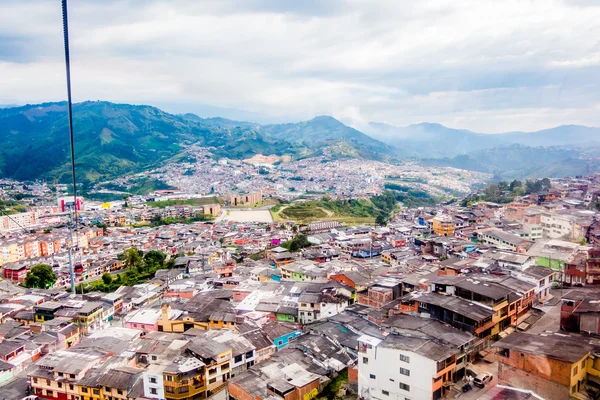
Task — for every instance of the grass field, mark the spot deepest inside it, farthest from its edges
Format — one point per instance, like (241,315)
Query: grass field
(310,212)
(189,202)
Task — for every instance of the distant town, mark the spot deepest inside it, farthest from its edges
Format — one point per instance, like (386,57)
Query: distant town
(273,278)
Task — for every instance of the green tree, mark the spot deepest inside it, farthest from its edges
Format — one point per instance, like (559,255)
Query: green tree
(132,258)
(106,278)
(380,220)
(40,276)
(154,259)
(546,184)
(514,185)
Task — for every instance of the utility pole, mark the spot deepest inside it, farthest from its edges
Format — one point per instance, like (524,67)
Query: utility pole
(72,222)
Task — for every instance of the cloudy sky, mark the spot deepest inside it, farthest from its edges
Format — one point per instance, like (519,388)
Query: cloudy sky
(488,66)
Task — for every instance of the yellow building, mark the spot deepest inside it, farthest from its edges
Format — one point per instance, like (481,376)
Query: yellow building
(217,358)
(185,379)
(9,252)
(443,225)
(189,319)
(212,209)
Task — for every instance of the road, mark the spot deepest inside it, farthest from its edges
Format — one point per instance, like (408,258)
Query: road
(476,392)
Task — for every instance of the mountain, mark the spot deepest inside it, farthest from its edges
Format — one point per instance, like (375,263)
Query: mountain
(431,140)
(559,136)
(325,130)
(427,140)
(520,162)
(115,139)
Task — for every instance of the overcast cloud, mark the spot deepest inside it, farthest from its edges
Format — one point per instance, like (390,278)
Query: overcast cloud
(488,66)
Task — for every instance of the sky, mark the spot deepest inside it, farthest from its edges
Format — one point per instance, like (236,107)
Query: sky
(487,66)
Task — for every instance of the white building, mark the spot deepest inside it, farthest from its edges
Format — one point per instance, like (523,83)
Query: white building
(404,368)
(565,226)
(20,221)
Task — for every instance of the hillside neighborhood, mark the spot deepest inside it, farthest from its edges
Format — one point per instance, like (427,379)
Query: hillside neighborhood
(258,310)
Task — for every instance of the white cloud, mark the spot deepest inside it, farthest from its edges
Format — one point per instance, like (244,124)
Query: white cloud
(480,65)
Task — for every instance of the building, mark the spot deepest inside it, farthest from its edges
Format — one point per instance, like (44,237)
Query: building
(564,226)
(554,367)
(18,222)
(247,199)
(504,240)
(443,225)
(404,367)
(280,333)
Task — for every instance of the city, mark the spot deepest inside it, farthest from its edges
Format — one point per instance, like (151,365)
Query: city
(188,308)
(299,200)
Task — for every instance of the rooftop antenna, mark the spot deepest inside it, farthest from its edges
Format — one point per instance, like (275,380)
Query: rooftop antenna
(72,221)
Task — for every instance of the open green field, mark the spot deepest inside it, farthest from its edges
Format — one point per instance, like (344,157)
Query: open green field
(312,211)
(189,202)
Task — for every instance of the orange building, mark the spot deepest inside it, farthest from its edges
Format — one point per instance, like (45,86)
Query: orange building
(443,225)
(553,367)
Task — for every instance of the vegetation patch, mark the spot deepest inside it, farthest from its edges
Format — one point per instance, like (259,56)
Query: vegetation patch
(189,202)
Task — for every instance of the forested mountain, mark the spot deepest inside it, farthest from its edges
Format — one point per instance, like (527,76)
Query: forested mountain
(113,139)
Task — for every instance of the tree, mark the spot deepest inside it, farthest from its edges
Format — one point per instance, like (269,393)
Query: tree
(154,258)
(131,258)
(380,220)
(515,184)
(40,276)
(546,184)
(106,278)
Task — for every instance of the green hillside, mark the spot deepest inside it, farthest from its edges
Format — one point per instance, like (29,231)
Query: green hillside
(115,139)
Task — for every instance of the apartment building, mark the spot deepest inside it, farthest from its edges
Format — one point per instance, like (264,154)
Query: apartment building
(404,367)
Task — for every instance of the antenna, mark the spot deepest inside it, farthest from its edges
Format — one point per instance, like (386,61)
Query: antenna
(72,221)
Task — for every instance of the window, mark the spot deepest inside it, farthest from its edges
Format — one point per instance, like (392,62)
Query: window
(60,374)
(365,360)
(153,391)
(575,370)
(238,359)
(154,358)
(404,371)
(96,391)
(170,378)
(35,380)
(583,364)
(59,384)
(213,380)
(71,387)
(385,392)
(279,342)
(152,380)
(48,382)
(404,358)
(404,386)
(169,389)
(72,376)
(84,389)
(119,391)
(372,376)
(183,389)
(106,389)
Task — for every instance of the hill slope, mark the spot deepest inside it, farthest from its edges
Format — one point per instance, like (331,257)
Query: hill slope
(114,139)
(427,140)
